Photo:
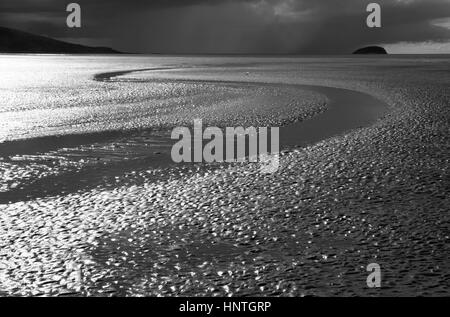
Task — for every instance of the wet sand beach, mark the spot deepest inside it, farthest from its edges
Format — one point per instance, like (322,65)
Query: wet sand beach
(90,203)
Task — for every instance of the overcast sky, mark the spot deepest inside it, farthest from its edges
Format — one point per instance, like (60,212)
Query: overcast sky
(239,26)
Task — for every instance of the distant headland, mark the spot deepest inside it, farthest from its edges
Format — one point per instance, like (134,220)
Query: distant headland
(15,41)
(376,50)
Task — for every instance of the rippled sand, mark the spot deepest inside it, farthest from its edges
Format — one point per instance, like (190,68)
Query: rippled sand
(93,214)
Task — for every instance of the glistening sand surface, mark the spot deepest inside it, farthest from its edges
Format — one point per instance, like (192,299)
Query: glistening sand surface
(377,194)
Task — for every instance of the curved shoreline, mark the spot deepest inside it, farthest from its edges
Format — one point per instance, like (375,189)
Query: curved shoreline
(346,109)
(105,77)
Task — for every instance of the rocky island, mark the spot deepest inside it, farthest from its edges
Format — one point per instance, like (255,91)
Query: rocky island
(371,50)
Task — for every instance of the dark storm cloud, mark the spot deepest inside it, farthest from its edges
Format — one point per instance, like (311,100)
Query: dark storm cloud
(233,26)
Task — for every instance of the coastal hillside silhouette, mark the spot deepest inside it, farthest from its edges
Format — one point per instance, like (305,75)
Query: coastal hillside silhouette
(15,41)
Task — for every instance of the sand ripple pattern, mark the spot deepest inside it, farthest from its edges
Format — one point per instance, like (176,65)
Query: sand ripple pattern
(378,194)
